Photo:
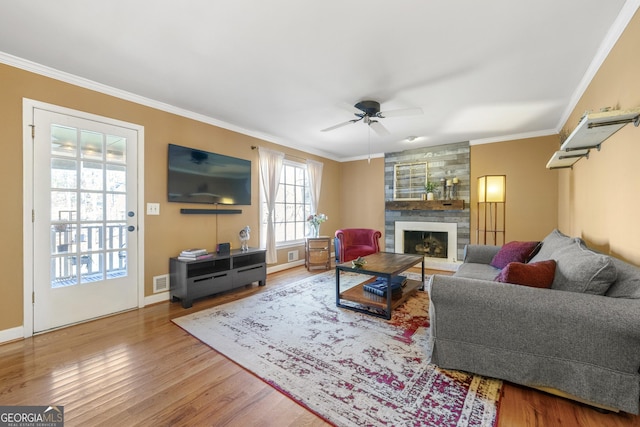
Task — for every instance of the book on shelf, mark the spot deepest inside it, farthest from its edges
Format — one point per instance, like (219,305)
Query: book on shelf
(379,286)
(194,258)
(193,252)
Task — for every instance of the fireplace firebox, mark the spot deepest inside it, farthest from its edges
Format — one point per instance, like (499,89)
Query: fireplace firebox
(432,244)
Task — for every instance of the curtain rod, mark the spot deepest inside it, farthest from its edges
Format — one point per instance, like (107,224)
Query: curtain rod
(255,147)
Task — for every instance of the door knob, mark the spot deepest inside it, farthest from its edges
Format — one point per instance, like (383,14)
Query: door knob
(131,228)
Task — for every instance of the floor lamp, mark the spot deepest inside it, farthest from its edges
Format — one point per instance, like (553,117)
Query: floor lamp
(492,192)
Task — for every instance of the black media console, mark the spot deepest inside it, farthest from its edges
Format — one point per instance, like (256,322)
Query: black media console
(196,279)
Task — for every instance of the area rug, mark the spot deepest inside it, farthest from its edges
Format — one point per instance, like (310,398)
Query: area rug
(350,368)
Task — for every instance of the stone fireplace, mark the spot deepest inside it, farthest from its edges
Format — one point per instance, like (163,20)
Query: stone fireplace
(427,223)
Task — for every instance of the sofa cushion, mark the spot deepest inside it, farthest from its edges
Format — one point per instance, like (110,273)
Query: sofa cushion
(535,274)
(514,252)
(554,241)
(627,284)
(579,269)
(473,270)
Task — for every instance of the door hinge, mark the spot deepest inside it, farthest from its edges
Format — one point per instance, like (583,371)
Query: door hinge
(33,215)
(33,297)
(33,131)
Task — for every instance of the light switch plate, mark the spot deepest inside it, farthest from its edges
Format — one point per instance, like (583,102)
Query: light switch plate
(153,208)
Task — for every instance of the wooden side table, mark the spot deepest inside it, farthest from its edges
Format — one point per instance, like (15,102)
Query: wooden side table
(317,252)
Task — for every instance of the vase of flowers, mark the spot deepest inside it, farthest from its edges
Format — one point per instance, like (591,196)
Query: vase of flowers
(314,223)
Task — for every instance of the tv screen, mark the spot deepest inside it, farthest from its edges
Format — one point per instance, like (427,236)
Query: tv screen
(197,176)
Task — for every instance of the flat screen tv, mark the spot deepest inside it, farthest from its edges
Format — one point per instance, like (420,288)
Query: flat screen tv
(197,176)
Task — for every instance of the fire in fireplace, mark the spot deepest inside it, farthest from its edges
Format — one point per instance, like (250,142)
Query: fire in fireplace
(428,243)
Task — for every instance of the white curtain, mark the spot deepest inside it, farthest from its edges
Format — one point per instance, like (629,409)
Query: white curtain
(270,170)
(314,170)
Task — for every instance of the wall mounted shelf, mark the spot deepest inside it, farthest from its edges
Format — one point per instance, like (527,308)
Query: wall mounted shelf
(566,159)
(591,132)
(425,205)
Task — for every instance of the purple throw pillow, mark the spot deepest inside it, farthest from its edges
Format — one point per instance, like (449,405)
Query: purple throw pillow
(537,274)
(514,252)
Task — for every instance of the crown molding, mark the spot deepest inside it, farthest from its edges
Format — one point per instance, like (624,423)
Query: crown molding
(513,137)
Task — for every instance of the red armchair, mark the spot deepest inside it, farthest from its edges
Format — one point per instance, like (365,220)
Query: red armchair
(354,242)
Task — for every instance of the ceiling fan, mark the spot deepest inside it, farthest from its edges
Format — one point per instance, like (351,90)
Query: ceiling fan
(369,111)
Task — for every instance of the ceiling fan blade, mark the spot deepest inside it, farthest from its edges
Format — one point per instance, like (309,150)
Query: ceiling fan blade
(378,128)
(339,125)
(401,112)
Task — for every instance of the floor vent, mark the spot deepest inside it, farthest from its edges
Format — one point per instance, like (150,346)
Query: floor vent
(292,256)
(160,283)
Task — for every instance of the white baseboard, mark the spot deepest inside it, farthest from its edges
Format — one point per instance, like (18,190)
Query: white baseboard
(282,267)
(156,298)
(11,334)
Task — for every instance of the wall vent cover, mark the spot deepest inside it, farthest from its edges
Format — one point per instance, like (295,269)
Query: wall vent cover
(160,283)
(292,256)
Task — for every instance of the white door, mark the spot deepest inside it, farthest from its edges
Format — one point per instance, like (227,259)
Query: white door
(85,221)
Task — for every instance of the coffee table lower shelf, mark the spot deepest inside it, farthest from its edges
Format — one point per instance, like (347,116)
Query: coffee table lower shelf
(358,295)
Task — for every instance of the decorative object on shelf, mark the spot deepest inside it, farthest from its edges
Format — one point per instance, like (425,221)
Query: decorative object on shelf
(450,188)
(409,180)
(430,187)
(314,223)
(244,238)
(358,262)
(454,188)
(492,192)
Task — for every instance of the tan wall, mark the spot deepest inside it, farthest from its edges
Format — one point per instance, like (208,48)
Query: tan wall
(361,188)
(598,199)
(165,235)
(532,190)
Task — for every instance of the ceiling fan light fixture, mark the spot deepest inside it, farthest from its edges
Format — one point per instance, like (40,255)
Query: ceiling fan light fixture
(371,110)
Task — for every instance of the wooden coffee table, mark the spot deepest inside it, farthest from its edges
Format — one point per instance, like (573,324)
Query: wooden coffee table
(384,265)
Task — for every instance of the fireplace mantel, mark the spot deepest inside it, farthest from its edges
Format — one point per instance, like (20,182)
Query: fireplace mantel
(425,205)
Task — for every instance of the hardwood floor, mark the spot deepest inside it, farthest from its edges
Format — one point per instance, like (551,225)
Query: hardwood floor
(138,368)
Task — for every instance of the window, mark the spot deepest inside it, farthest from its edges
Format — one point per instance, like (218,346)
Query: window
(292,204)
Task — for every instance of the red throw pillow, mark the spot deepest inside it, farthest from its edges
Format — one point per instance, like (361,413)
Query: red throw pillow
(514,252)
(537,274)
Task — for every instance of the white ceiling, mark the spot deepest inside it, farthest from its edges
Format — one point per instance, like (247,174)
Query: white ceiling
(283,70)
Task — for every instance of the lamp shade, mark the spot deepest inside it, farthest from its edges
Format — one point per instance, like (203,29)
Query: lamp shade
(492,188)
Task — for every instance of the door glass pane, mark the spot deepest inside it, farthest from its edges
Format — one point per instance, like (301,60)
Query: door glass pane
(63,238)
(91,145)
(116,245)
(63,206)
(64,173)
(91,176)
(91,267)
(116,207)
(91,206)
(116,178)
(116,149)
(64,141)
(63,271)
(91,237)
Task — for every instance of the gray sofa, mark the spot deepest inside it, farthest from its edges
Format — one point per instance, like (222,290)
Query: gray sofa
(579,339)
